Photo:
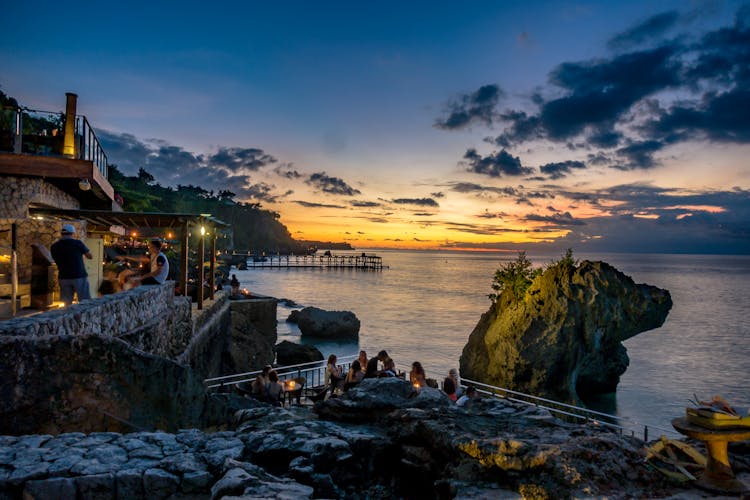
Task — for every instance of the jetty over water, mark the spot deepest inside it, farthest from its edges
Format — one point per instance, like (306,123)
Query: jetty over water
(363,262)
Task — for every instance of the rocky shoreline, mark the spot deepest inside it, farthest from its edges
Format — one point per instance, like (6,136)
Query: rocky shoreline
(415,446)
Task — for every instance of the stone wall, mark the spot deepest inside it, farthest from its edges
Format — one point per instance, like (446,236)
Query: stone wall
(233,336)
(132,359)
(16,194)
(145,316)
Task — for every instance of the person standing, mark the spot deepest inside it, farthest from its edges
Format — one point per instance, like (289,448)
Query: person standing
(68,254)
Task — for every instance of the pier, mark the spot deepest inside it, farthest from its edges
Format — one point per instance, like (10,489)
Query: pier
(363,262)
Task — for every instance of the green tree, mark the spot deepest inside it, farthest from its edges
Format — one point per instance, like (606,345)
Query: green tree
(514,277)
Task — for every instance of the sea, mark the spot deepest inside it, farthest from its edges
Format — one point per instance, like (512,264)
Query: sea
(424,304)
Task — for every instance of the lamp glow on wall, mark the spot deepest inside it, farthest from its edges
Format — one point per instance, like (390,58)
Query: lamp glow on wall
(84,184)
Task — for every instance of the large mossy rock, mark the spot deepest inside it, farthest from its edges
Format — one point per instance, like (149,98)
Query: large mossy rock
(563,338)
(318,323)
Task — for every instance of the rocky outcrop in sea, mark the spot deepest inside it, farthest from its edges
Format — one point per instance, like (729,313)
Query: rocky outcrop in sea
(563,339)
(322,324)
(491,449)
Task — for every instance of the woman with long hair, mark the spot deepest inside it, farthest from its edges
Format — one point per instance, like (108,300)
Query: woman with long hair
(416,375)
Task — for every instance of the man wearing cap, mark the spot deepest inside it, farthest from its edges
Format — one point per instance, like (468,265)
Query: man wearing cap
(68,253)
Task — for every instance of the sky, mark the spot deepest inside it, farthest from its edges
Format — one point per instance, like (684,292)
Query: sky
(596,126)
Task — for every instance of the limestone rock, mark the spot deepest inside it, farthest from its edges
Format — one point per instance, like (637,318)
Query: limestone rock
(289,353)
(563,339)
(314,322)
(375,397)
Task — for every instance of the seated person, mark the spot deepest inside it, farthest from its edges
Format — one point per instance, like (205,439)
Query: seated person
(354,376)
(417,375)
(372,364)
(389,368)
(158,264)
(274,390)
(468,397)
(362,359)
(449,387)
(260,382)
(453,373)
(333,372)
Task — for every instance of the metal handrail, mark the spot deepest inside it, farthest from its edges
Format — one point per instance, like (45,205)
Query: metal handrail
(315,370)
(311,369)
(576,411)
(87,147)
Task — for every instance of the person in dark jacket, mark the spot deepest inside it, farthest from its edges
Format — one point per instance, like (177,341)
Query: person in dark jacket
(68,254)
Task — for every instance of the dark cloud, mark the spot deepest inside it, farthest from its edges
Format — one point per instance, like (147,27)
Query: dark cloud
(438,194)
(470,187)
(556,220)
(639,155)
(365,204)
(310,204)
(478,106)
(240,159)
(173,165)
(423,214)
(492,215)
(424,202)
(287,172)
(561,169)
(331,185)
(651,28)
(261,191)
(688,87)
(495,164)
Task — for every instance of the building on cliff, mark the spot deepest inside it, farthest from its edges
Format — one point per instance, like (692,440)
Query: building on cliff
(53,170)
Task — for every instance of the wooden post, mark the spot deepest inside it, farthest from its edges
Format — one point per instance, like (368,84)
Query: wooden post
(212,278)
(201,272)
(184,258)
(13,267)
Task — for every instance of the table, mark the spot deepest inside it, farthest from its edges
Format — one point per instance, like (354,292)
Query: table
(718,476)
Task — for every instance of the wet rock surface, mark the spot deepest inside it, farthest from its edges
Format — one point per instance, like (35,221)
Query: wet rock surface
(563,339)
(491,449)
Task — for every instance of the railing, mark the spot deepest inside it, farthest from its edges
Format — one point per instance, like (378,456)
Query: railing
(314,373)
(567,411)
(30,131)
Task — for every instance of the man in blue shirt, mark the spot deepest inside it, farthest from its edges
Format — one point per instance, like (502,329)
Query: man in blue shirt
(68,253)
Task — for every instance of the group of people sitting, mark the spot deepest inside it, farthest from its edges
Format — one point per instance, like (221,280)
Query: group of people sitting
(383,365)
(451,384)
(266,387)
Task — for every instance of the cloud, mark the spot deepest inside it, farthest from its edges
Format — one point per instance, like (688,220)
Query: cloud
(310,204)
(438,194)
(240,159)
(626,107)
(479,106)
(331,185)
(470,187)
(424,202)
(556,220)
(287,171)
(365,204)
(639,155)
(423,214)
(561,169)
(173,165)
(651,28)
(495,164)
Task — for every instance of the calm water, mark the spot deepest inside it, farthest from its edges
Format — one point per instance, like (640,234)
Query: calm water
(425,305)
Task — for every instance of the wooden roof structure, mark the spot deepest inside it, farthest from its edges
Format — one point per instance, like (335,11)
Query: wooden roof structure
(105,220)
